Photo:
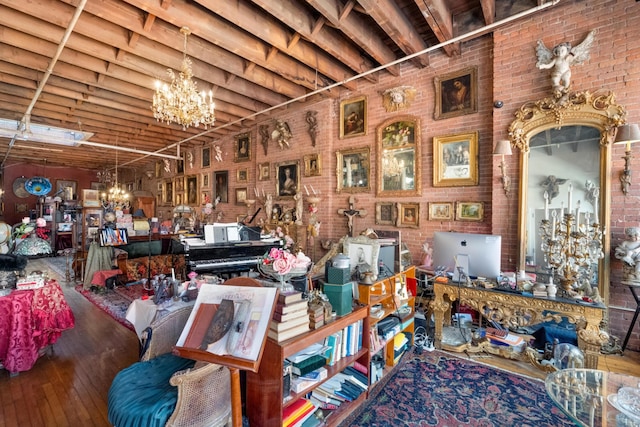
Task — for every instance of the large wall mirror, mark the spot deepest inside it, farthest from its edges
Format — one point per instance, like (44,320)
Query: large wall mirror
(565,144)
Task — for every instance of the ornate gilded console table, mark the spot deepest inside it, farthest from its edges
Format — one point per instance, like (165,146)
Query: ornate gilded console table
(515,310)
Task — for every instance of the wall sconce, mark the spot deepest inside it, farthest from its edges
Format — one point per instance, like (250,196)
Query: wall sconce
(627,134)
(503,148)
(149,174)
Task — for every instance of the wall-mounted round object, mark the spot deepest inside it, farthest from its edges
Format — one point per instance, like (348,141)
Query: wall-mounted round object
(18,187)
(5,232)
(38,186)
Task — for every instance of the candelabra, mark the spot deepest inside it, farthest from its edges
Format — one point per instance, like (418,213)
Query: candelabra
(570,248)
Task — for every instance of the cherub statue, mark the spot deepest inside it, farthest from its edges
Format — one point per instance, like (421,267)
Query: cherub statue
(190,159)
(282,134)
(397,98)
(629,253)
(560,59)
(312,120)
(551,185)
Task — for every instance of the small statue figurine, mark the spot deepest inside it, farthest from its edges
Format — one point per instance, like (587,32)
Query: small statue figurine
(560,60)
(629,253)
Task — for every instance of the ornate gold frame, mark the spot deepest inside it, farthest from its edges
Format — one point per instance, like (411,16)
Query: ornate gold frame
(361,158)
(447,174)
(599,110)
(399,143)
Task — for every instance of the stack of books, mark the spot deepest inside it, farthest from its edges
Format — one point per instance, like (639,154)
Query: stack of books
(295,414)
(290,317)
(316,316)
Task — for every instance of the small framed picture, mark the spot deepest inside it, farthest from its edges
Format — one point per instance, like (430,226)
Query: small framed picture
(353,117)
(264,171)
(456,93)
(100,186)
(221,186)
(241,195)
(408,215)
(455,160)
(440,211)
(90,198)
(159,188)
(312,165)
(113,236)
(22,208)
(386,213)
(242,175)
(242,147)
(469,211)
(205,180)
(206,157)
(192,190)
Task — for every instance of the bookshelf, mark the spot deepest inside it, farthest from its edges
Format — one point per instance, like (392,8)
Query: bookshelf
(383,293)
(264,401)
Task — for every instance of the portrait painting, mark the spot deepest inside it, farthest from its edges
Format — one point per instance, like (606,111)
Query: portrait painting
(409,215)
(353,117)
(440,211)
(192,190)
(287,179)
(455,160)
(264,171)
(168,193)
(242,147)
(206,157)
(242,175)
(363,254)
(386,213)
(205,180)
(469,211)
(312,166)
(456,93)
(221,186)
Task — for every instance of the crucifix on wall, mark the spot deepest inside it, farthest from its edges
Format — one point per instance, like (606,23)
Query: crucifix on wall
(352,212)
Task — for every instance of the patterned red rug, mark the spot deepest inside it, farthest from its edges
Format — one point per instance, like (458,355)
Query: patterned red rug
(115,301)
(437,389)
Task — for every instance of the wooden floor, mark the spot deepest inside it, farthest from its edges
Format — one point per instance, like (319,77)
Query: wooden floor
(69,386)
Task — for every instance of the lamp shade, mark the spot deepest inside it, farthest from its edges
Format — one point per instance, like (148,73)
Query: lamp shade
(503,147)
(627,134)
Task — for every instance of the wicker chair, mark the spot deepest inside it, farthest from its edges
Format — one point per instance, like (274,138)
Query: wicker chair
(137,392)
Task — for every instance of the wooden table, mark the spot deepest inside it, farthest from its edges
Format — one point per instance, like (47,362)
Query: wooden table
(516,310)
(31,320)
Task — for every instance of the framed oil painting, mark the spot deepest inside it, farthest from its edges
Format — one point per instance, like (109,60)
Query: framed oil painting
(408,215)
(180,165)
(241,195)
(242,147)
(264,171)
(312,165)
(192,190)
(90,198)
(179,184)
(204,180)
(242,175)
(221,186)
(456,93)
(469,211)
(440,211)
(287,179)
(353,170)
(353,117)
(206,157)
(167,195)
(455,160)
(100,186)
(363,254)
(386,213)
(399,157)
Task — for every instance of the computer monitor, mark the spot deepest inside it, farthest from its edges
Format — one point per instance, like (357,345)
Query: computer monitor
(479,254)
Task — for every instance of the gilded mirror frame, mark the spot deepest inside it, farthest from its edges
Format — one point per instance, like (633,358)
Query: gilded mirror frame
(598,110)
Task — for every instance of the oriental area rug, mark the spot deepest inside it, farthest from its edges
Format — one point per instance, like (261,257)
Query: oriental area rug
(437,389)
(114,302)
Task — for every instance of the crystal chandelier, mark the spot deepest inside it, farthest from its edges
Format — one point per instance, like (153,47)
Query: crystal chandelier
(115,198)
(180,102)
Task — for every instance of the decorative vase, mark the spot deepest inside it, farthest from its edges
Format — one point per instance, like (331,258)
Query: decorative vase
(282,279)
(552,290)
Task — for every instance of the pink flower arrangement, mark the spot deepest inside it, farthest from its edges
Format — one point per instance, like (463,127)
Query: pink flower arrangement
(282,261)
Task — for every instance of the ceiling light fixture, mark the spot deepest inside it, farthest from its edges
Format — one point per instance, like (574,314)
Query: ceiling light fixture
(180,102)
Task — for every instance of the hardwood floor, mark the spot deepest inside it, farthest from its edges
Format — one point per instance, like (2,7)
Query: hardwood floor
(69,385)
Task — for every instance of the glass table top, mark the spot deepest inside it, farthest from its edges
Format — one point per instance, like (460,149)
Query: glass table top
(588,397)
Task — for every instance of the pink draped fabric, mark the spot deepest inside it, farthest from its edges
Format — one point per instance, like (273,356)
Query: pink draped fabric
(30,320)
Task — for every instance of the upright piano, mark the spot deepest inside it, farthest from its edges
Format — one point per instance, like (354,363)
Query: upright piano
(226,257)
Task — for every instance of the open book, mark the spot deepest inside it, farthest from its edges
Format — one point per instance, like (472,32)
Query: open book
(229,320)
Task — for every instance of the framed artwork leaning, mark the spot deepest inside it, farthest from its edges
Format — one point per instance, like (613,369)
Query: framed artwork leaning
(363,254)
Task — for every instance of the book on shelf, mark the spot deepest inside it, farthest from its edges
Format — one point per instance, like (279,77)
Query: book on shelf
(295,412)
(289,333)
(291,307)
(287,297)
(291,323)
(279,317)
(229,320)
(310,364)
(315,324)
(313,349)
(324,405)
